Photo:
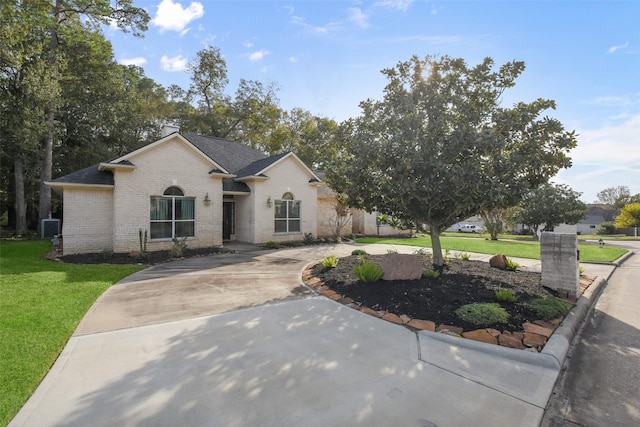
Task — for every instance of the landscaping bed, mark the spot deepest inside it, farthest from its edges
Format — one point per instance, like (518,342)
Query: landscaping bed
(431,303)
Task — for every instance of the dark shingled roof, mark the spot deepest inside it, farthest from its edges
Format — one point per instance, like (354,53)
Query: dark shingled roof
(89,175)
(231,155)
(257,166)
(228,184)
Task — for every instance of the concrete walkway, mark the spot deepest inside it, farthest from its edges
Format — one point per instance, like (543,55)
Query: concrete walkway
(237,340)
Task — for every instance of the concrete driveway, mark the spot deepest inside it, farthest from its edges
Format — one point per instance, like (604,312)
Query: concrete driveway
(236,340)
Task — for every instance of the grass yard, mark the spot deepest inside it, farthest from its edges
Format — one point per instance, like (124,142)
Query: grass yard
(516,249)
(41,304)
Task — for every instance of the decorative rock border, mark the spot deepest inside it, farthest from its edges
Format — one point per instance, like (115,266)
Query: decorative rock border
(533,336)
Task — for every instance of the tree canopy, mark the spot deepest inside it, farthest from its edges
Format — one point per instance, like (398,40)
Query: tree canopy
(629,216)
(617,197)
(549,205)
(439,147)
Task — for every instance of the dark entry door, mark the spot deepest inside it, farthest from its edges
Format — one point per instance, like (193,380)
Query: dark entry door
(228,220)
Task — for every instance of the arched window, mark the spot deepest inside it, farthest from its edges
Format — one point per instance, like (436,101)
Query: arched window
(172,215)
(173,191)
(287,214)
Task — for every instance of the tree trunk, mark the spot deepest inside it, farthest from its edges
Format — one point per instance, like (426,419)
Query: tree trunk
(44,208)
(21,208)
(45,173)
(438,260)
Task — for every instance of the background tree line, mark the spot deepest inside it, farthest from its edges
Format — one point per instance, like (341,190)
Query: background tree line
(65,103)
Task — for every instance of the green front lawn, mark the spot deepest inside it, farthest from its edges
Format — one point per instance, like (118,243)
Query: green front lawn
(516,249)
(41,304)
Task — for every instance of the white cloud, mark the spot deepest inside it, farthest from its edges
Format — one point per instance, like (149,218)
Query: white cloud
(402,5)
(612,145)
(172,16)
(248,45)
(358,17)
(605,157)
(324,29)
(613,49)
(137,61)
(177,63)
(258,55)
(293,59)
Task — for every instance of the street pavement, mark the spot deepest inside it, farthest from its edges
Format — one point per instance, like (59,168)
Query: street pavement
(238,340)
(600,384)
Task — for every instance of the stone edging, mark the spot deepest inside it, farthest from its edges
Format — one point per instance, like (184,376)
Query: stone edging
(537,337)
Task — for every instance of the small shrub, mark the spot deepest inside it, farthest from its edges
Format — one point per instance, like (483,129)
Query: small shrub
(549,307)
(606,228)
(179,245)
(272,245)
(511,265)
(433,274)
(308,238)
(358,252)
(464,256)
(329,262)
(505,295)
(447,256)
(483,313)
(107,253)
(392,251)
(581,270)
(368,272)
(421,252)
(143,236)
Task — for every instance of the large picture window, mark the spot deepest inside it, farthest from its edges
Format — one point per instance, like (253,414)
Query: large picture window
(287,214)
(172,215)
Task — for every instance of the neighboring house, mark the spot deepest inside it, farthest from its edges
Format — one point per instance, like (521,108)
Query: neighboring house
(590,224)
(594,217)
(206,189)
(368,224)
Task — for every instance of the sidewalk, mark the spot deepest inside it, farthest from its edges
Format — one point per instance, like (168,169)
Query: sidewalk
(286,359)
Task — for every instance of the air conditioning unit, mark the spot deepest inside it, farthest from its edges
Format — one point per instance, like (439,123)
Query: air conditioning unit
(49,228)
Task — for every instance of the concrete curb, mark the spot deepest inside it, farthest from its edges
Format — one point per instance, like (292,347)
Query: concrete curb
(560,341)
(622,259)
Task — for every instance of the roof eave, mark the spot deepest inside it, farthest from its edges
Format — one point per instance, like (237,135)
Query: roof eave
(221,174)
(61,185)
(252,178)
(113,166)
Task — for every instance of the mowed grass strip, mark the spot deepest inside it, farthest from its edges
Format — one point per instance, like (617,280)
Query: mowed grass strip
(41,304)
(588,252)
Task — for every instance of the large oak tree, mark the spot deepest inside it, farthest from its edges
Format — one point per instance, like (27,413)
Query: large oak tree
(439,147)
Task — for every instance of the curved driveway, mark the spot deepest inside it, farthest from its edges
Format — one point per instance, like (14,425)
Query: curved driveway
(170,346)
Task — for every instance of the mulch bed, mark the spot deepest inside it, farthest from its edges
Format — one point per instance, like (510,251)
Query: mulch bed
(461,283)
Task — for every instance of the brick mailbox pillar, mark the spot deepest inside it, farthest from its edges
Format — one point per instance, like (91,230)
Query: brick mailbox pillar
(560,262)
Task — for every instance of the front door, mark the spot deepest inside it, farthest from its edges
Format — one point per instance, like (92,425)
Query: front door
(228,220)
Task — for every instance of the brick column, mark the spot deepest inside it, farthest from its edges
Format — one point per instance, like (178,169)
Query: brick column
(560,263)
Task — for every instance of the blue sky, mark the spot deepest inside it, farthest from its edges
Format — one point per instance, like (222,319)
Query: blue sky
(326,57)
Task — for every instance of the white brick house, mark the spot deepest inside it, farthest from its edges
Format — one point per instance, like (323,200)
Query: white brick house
(208,190)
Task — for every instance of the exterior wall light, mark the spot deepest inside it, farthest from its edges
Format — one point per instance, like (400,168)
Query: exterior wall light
(269,201)
(207,200)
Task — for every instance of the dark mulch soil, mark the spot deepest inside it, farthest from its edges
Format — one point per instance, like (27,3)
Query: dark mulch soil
(150,258)
(462,282)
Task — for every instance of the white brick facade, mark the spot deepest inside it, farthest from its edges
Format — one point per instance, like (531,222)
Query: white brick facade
(172,163)
(101,217)
(88,220)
